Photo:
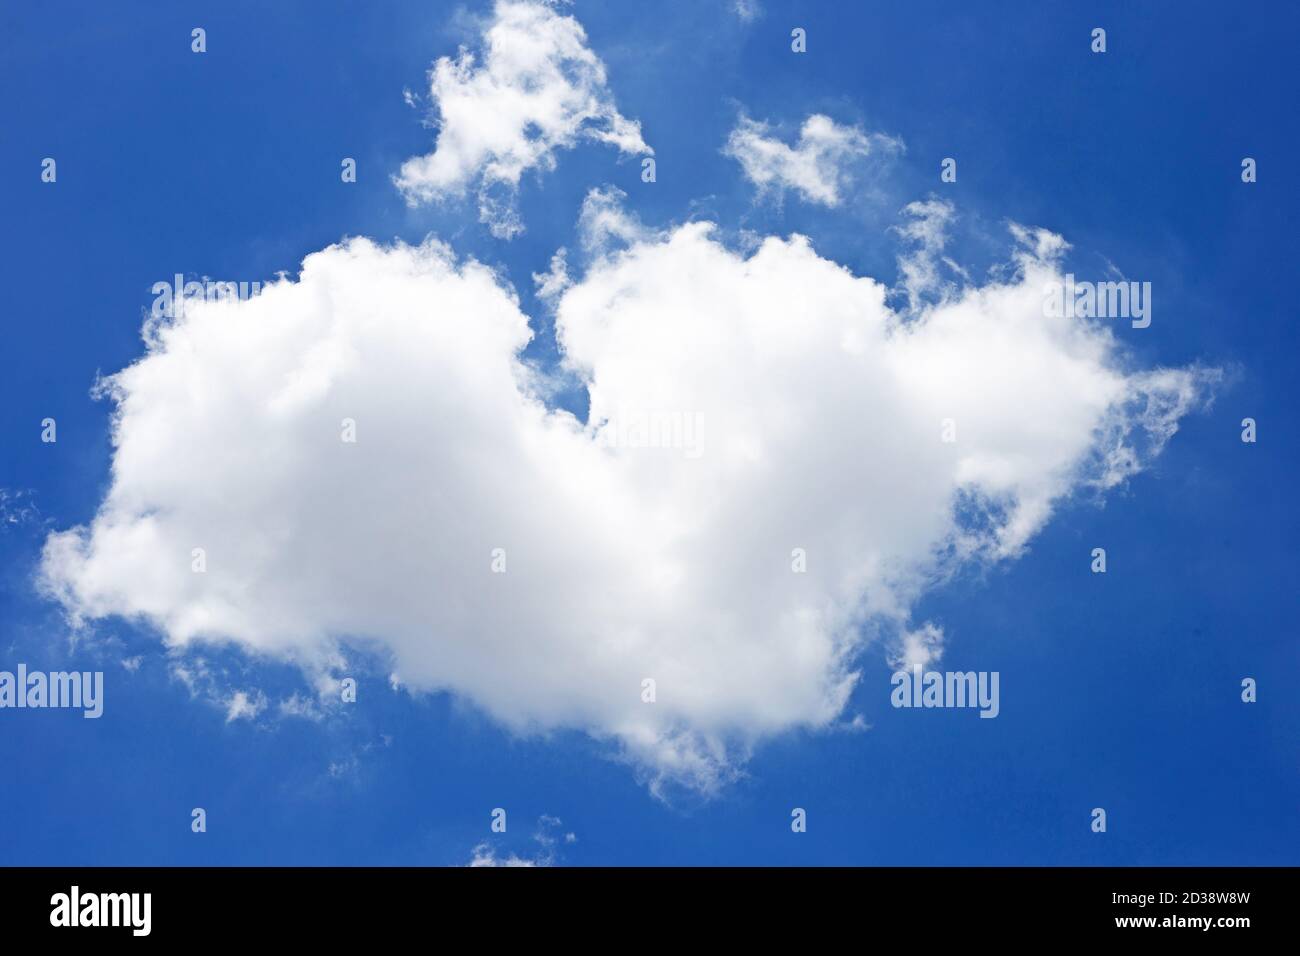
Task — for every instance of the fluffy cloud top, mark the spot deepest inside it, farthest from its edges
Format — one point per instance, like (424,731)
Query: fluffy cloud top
(742,407)
(536,88)
(819,166)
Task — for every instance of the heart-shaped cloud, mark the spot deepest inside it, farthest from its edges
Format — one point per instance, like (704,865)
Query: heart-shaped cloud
(776,464)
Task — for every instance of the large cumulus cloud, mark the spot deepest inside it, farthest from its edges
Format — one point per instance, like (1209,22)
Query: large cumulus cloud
(816,417)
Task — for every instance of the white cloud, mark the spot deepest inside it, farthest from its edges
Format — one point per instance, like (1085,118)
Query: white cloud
(820,412)
(919,648)
(603,223)
(920,272)
(485,855)
(299,705)
(555,279)
(244,706)
(213,686)
(546,837)
(535,88)
(819,167)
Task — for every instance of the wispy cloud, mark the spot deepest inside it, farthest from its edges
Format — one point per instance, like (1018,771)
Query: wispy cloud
(819,166)
(548,837)
(17,509)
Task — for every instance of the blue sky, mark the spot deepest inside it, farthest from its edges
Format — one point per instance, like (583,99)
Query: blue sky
(1118,690)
